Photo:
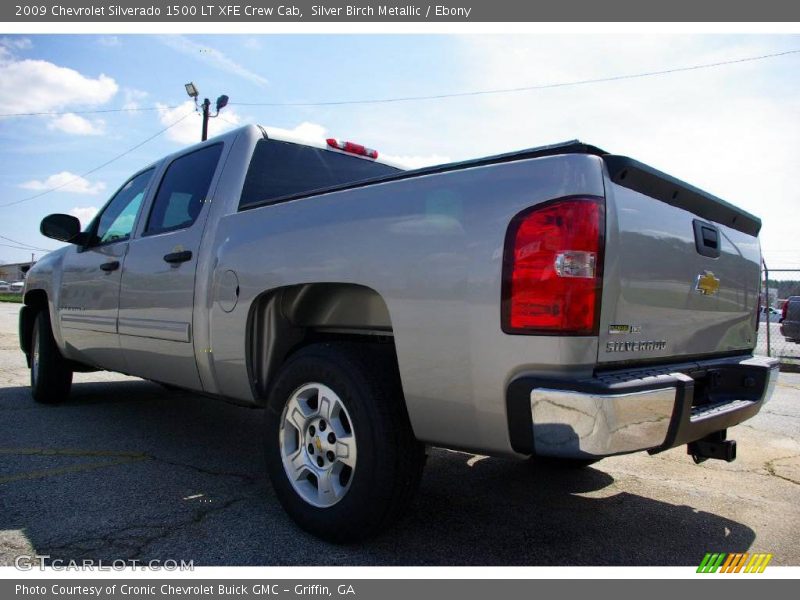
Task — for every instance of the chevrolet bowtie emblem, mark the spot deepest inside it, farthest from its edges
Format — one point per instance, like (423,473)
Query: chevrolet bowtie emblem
(318,444)
(707,284)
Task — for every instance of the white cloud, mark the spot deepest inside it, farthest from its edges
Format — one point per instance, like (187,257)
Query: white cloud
(304,132)
(109,41)
(133,98)
(65,182)
(77,125)
(416,162)
(188,130)
(16,43)
(213,57)
(38,86)
(251,43)
(85,214)
(10,44)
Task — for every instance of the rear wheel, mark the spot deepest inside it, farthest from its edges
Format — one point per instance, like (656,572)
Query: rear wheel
(341,454)
(51,376)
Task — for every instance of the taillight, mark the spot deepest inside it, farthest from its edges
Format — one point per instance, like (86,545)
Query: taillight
(552,271)
(352,148)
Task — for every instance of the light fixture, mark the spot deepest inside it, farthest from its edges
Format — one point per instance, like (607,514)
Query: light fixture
(191,90)
(222,102)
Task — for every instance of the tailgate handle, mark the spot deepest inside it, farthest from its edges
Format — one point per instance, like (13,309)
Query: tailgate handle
(706,239)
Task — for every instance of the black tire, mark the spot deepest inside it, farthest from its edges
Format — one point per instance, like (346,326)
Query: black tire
(389,459)
(51,375)
(552,462)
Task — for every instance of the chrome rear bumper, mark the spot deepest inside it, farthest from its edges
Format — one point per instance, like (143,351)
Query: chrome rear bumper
(644,409)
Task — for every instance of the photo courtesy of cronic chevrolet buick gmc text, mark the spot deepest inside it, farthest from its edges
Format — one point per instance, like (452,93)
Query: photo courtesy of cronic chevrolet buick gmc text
(557,302)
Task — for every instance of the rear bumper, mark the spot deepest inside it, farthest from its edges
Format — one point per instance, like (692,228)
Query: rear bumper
(627,411)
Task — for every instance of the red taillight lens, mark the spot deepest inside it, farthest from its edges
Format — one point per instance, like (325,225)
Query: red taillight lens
(552,268)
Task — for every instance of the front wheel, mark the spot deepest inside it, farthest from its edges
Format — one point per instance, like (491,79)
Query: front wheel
(51,376)
(341,454)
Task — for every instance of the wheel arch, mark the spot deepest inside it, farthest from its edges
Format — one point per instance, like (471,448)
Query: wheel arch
(283,320)
(33,302)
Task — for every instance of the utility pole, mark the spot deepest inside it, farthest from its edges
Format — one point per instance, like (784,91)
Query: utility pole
(222,102)
(206,115)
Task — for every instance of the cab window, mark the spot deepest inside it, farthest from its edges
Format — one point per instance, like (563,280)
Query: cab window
(183,190)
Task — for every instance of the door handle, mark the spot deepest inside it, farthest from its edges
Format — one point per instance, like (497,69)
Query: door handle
(178,257)
(112,265)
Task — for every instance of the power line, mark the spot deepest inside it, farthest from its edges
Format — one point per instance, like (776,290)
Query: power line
(526,88)
(29,247)
(23,248)
(97,168)
(433,96)
(87,112)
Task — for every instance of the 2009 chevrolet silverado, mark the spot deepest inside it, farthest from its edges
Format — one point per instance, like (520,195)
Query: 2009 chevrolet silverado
(556,302)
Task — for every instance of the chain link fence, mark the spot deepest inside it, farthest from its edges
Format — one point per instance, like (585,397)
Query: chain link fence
(779,284)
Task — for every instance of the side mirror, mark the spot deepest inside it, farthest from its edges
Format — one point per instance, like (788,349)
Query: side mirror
(64,228)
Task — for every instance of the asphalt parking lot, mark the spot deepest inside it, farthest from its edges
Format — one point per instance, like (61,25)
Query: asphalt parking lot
(126,469)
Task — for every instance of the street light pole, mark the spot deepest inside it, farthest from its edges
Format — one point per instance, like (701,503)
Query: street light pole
(222,102)
(206,111)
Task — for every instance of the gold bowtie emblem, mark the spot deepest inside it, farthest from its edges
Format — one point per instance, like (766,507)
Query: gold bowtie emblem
(707,284)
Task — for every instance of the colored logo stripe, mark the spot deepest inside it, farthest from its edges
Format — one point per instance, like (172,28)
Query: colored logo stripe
(734,562)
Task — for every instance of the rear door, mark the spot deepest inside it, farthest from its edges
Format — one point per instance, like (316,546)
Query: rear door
(158,281)
(677,284)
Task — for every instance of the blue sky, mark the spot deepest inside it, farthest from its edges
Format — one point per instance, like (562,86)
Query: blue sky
(732,130)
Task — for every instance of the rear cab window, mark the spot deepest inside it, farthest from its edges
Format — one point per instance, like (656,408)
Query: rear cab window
(283,169)
(183,190)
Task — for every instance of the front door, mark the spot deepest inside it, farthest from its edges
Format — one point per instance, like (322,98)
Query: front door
(89,294)
(157,293)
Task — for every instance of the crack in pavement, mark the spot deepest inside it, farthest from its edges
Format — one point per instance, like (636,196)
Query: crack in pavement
(121,456)
(116,542)
(770,467)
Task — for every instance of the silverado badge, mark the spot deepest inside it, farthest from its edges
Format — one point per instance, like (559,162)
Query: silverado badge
(707,284)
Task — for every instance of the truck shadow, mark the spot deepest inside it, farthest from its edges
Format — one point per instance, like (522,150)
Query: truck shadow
(131,470)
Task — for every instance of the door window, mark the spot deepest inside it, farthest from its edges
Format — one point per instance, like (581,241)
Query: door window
(116,221)
(183,190)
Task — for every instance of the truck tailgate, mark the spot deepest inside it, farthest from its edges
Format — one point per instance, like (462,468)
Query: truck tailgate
(681,270)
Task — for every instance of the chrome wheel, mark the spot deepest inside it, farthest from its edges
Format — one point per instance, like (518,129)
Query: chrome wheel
(318,445)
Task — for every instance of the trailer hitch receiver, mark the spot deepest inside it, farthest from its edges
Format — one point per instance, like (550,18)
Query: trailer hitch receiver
(715,446)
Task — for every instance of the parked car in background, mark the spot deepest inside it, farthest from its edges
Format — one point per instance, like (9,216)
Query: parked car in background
(770,314)
(16,287)
(790,320)
(4,286)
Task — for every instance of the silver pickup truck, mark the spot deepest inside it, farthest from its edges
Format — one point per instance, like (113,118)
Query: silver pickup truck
(557,303)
